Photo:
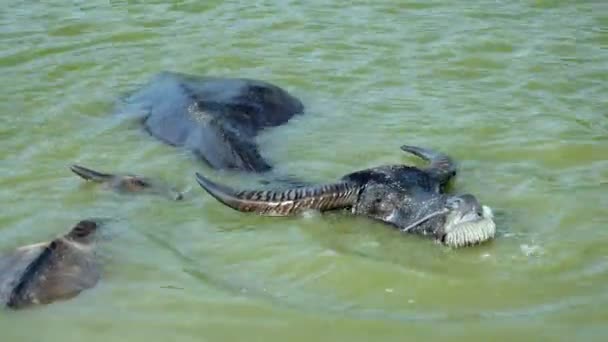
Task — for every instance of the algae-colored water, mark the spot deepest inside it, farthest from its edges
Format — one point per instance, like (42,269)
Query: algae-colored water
(514,90)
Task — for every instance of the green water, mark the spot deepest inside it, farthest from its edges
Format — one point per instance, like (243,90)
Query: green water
(514,90)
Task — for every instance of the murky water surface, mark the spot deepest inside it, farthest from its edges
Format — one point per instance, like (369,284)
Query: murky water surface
(514,90)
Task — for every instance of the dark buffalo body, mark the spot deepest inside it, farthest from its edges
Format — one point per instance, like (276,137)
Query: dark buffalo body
(45,272)
(216,118)
(409,198)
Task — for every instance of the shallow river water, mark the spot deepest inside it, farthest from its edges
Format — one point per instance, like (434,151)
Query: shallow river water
(514,90)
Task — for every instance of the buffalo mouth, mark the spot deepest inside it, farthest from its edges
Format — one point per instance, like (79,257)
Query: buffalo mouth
(464,222)
(461,233)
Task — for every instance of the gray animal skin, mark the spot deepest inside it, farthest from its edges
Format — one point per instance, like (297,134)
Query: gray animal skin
(216,118)
(409,198)
(128,183)
(49,271)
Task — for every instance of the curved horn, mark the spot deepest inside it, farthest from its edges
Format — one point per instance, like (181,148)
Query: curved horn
(441,165)
(284,203)
(89,174)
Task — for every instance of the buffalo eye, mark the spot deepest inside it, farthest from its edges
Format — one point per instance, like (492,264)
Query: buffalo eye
(139,182)
(454,202)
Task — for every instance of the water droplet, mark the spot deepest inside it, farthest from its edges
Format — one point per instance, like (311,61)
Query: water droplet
(529,250)
(328,253)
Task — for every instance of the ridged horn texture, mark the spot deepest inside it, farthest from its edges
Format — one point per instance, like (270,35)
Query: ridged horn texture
(441,165)
(89,174)
(287,202)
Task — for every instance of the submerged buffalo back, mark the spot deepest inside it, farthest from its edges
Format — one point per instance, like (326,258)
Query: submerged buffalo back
(49,271)
(216,118)
(260,103)
(61,271)
(12,267)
